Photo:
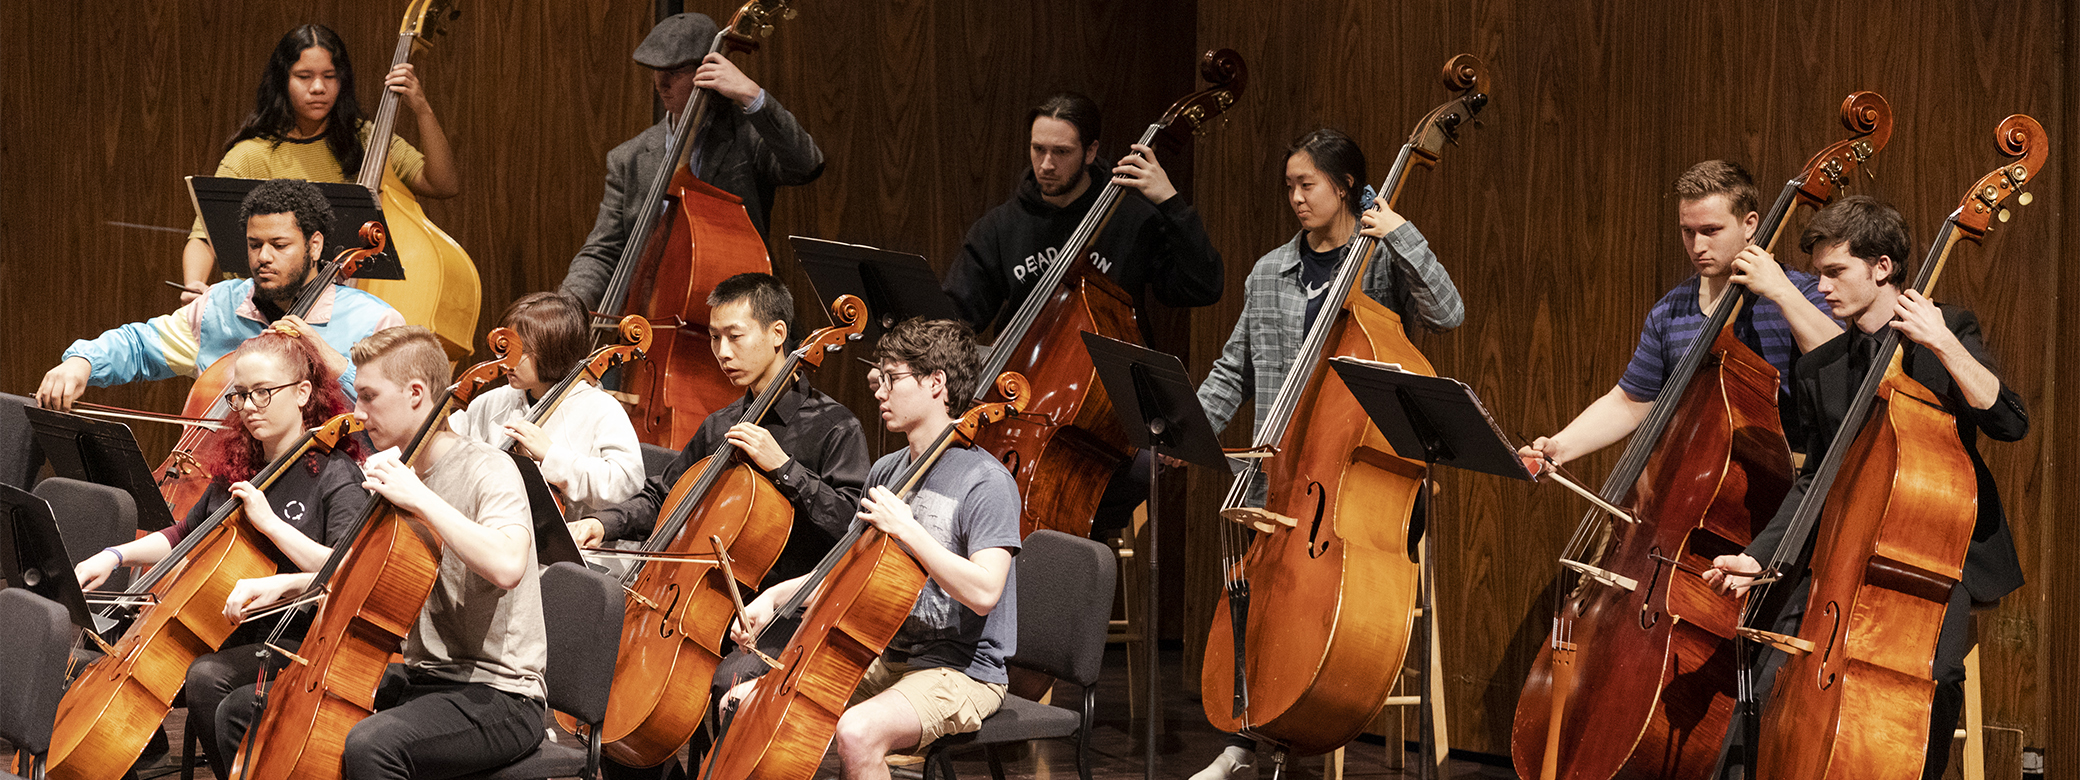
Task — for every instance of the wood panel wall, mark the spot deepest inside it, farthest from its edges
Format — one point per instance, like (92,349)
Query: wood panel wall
(1553,217)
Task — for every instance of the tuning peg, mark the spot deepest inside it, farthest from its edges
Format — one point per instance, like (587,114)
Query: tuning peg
(789,13)
(1478,101)
(765,31)
(2025,198)
(2003,215)
(1450,122)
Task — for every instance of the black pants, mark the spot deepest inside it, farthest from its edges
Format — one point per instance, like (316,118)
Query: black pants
(212,678)
(423,728)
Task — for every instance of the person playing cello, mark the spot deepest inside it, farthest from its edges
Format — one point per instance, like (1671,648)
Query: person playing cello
(1861,251)
(471,694)
(307,124)
(285,220)
(279,389)
(1325,186)
(944,671)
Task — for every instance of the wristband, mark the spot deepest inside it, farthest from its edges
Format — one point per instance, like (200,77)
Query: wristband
(119,555)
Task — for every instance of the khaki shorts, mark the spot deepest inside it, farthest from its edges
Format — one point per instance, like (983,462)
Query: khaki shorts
(947,701)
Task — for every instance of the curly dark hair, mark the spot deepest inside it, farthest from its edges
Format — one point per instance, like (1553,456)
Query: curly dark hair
(1336,155)
(273,117)
(289,196)
(230,454)
(930,346)
(1871,228)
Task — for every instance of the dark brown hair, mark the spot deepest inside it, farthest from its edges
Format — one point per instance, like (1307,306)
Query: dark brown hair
(1338,157)
(1074,108)
(552,328)
(1719,177)
(770,301)
(1868,226)
(929,346)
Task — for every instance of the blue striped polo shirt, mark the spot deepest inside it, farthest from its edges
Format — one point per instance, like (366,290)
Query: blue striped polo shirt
(1675,321)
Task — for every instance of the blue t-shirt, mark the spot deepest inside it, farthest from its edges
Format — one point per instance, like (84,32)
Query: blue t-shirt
(968,502)
(1675,322)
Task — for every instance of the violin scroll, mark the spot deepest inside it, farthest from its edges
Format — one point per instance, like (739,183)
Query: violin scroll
(374,240)
(336,429)
(2017,136)
(635,343)
(849,318)
(755,17)
(506,352)
(1466,75)
(1868,117)
(1226,74)
(1016,391)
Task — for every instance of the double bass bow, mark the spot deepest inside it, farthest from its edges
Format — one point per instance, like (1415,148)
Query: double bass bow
(855,600)
(1895,501)
(440,288)
(688,237)
(182,482)
(1338,527)
(1066,447)
(370,593)
(720,528)
(109,712)
(1636,649)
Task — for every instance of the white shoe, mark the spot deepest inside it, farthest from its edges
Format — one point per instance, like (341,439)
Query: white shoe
(1233,763)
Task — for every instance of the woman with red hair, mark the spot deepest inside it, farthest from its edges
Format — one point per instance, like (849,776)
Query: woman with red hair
(279,390)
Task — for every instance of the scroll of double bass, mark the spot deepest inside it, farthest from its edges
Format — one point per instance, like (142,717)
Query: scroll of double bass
(1343,537)
(110,711)
(855,600)
(440,288)
(1638,648)
(1895,501)
(373,590)
(679,607)
(688,236)
(1063,451)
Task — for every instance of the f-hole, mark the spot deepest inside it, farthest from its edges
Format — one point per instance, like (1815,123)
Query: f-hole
(1316,545)
(1834,634)
(1648,615)
(671,607)
(1011,461)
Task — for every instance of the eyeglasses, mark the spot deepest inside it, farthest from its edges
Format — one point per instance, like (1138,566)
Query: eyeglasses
(260,396)
(888,378)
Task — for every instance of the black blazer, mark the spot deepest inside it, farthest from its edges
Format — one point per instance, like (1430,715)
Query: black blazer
(1821,387)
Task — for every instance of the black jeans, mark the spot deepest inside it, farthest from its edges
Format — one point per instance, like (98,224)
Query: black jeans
(424,728)
(212,678)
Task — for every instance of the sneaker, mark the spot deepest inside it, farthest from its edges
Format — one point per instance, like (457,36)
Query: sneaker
(1233,763)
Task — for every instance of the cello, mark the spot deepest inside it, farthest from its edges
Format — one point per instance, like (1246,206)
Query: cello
(723,521)
(1637,675)
(1066,448)
(373,591)
(856,598)
(1291,657)
(182,482)
(688,236)
(110,711)
(440,288)
(1895,509)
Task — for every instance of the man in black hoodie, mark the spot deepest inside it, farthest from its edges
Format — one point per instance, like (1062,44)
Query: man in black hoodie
(1155,240)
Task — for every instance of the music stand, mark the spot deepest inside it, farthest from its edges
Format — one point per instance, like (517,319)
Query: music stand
(32,553)
(1152,397)
(895,285)
(103,452)
(552,539)
(218,199)
(1439,421)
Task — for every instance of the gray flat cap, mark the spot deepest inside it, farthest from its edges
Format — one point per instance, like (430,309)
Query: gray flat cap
(676,41)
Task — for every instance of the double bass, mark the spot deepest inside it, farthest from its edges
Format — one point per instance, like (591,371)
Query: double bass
(373,590)
(1293,657)
(1637,676)
(182,482)
(440,288)
(1895,500)
(689,235)
(856,599)
(109,712)
(1066,447)
(679,605)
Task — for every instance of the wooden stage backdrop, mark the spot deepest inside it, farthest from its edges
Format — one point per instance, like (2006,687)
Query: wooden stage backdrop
(1554,217)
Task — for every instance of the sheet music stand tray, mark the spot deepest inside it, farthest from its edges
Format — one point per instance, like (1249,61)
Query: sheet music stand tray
(32,553)
(103,452)
(895,285)
(217,199)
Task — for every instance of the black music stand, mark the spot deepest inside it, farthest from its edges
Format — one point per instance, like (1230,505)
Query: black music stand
(103,452)
(895,285)
(552,539)
(1153,399)
(1439,421)
(32,553)
(217,199)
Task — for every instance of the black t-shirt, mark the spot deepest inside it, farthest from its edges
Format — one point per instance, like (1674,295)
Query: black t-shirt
(1317,272)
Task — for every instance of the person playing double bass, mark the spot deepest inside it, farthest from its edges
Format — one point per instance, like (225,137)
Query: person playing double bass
(471,694)
(1861,250)
(307,124)
(944,671)
(747,152)
(810,446)
(285,220)
(1716,205)
(1325,187)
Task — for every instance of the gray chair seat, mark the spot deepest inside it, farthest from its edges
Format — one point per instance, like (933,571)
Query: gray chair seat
(1020,720)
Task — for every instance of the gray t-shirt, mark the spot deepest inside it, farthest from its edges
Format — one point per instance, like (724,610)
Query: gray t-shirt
(968,503)
(472,630)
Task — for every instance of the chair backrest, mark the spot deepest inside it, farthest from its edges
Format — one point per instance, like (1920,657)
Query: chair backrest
(91,517)
(1064,605)
(656,458)
(584,609)
(20,457)
(36,644)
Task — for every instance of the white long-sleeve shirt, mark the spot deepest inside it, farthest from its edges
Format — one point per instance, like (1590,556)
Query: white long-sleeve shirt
(593,455)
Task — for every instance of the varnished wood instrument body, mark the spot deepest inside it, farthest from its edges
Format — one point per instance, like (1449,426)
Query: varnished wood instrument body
(1063,451)
(1649,647)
